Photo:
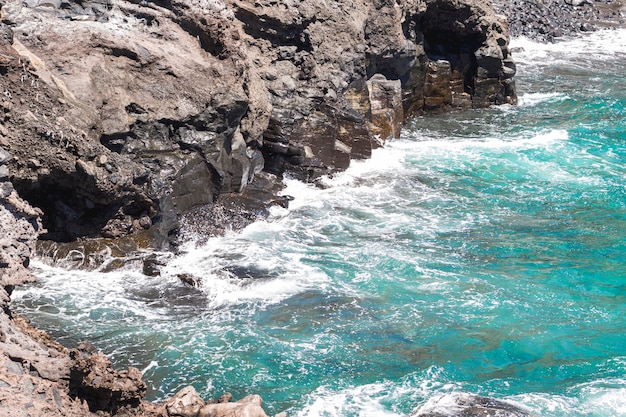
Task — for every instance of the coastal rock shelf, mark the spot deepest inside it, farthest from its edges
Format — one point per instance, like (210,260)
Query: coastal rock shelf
(125,117)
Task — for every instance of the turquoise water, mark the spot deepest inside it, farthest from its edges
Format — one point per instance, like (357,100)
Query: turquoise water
(482,252)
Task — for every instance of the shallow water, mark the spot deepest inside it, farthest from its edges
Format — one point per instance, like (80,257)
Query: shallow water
(482,252)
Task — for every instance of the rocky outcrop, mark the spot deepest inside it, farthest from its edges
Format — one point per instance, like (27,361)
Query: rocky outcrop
(340,73)
(92,379)
(187,403)
(467,405)
(124,117)
(20,226)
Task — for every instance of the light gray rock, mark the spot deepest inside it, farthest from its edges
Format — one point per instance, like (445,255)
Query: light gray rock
(185,403)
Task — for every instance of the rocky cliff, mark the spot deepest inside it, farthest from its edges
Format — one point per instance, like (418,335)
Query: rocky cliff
(125,117)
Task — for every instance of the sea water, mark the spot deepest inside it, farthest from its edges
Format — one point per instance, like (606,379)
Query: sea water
(482,252)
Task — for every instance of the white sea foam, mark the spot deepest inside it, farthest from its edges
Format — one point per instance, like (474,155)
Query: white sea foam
(86,297)
(362,401)
(464,147)
(532,99)
(602,398)
(250,266)
(602,44)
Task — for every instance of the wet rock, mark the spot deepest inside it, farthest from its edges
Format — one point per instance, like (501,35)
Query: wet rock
(190,280)
(152,266)
(467,405)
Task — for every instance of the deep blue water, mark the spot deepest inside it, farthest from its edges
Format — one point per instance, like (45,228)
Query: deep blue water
(483,252)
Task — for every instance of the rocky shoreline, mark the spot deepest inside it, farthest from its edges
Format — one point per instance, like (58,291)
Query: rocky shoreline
(111,136)
(550,20)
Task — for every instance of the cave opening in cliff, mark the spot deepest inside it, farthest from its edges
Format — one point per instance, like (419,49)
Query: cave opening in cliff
(67,215)
(448,35)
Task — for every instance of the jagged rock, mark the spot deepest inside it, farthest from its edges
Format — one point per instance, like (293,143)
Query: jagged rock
(92,379)
(467,405)
(20,225)
(185,403)
(437,91)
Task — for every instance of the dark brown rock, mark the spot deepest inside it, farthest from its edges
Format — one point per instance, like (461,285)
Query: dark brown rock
(92,379)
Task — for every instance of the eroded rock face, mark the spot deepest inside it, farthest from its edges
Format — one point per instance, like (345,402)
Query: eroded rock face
(125,120)
(20,225)
(124,117)
(92,379)
(369,65)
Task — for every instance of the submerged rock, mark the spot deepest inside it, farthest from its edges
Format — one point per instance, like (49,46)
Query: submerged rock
(467,405)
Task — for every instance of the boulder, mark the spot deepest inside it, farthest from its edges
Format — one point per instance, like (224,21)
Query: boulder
(249,406)
(185,403)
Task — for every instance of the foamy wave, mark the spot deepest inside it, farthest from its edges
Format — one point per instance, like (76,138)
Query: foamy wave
(532,99)
(539,139)
(600,45)
(79,293)
(251,266)
(363,401)
(603,398)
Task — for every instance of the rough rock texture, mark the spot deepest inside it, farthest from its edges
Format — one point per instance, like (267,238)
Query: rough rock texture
(19,227)
(35,378)
(185,403)
(249,406)
(339,72)
(93,379)
(123,116)
(552,19)
(467,405)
